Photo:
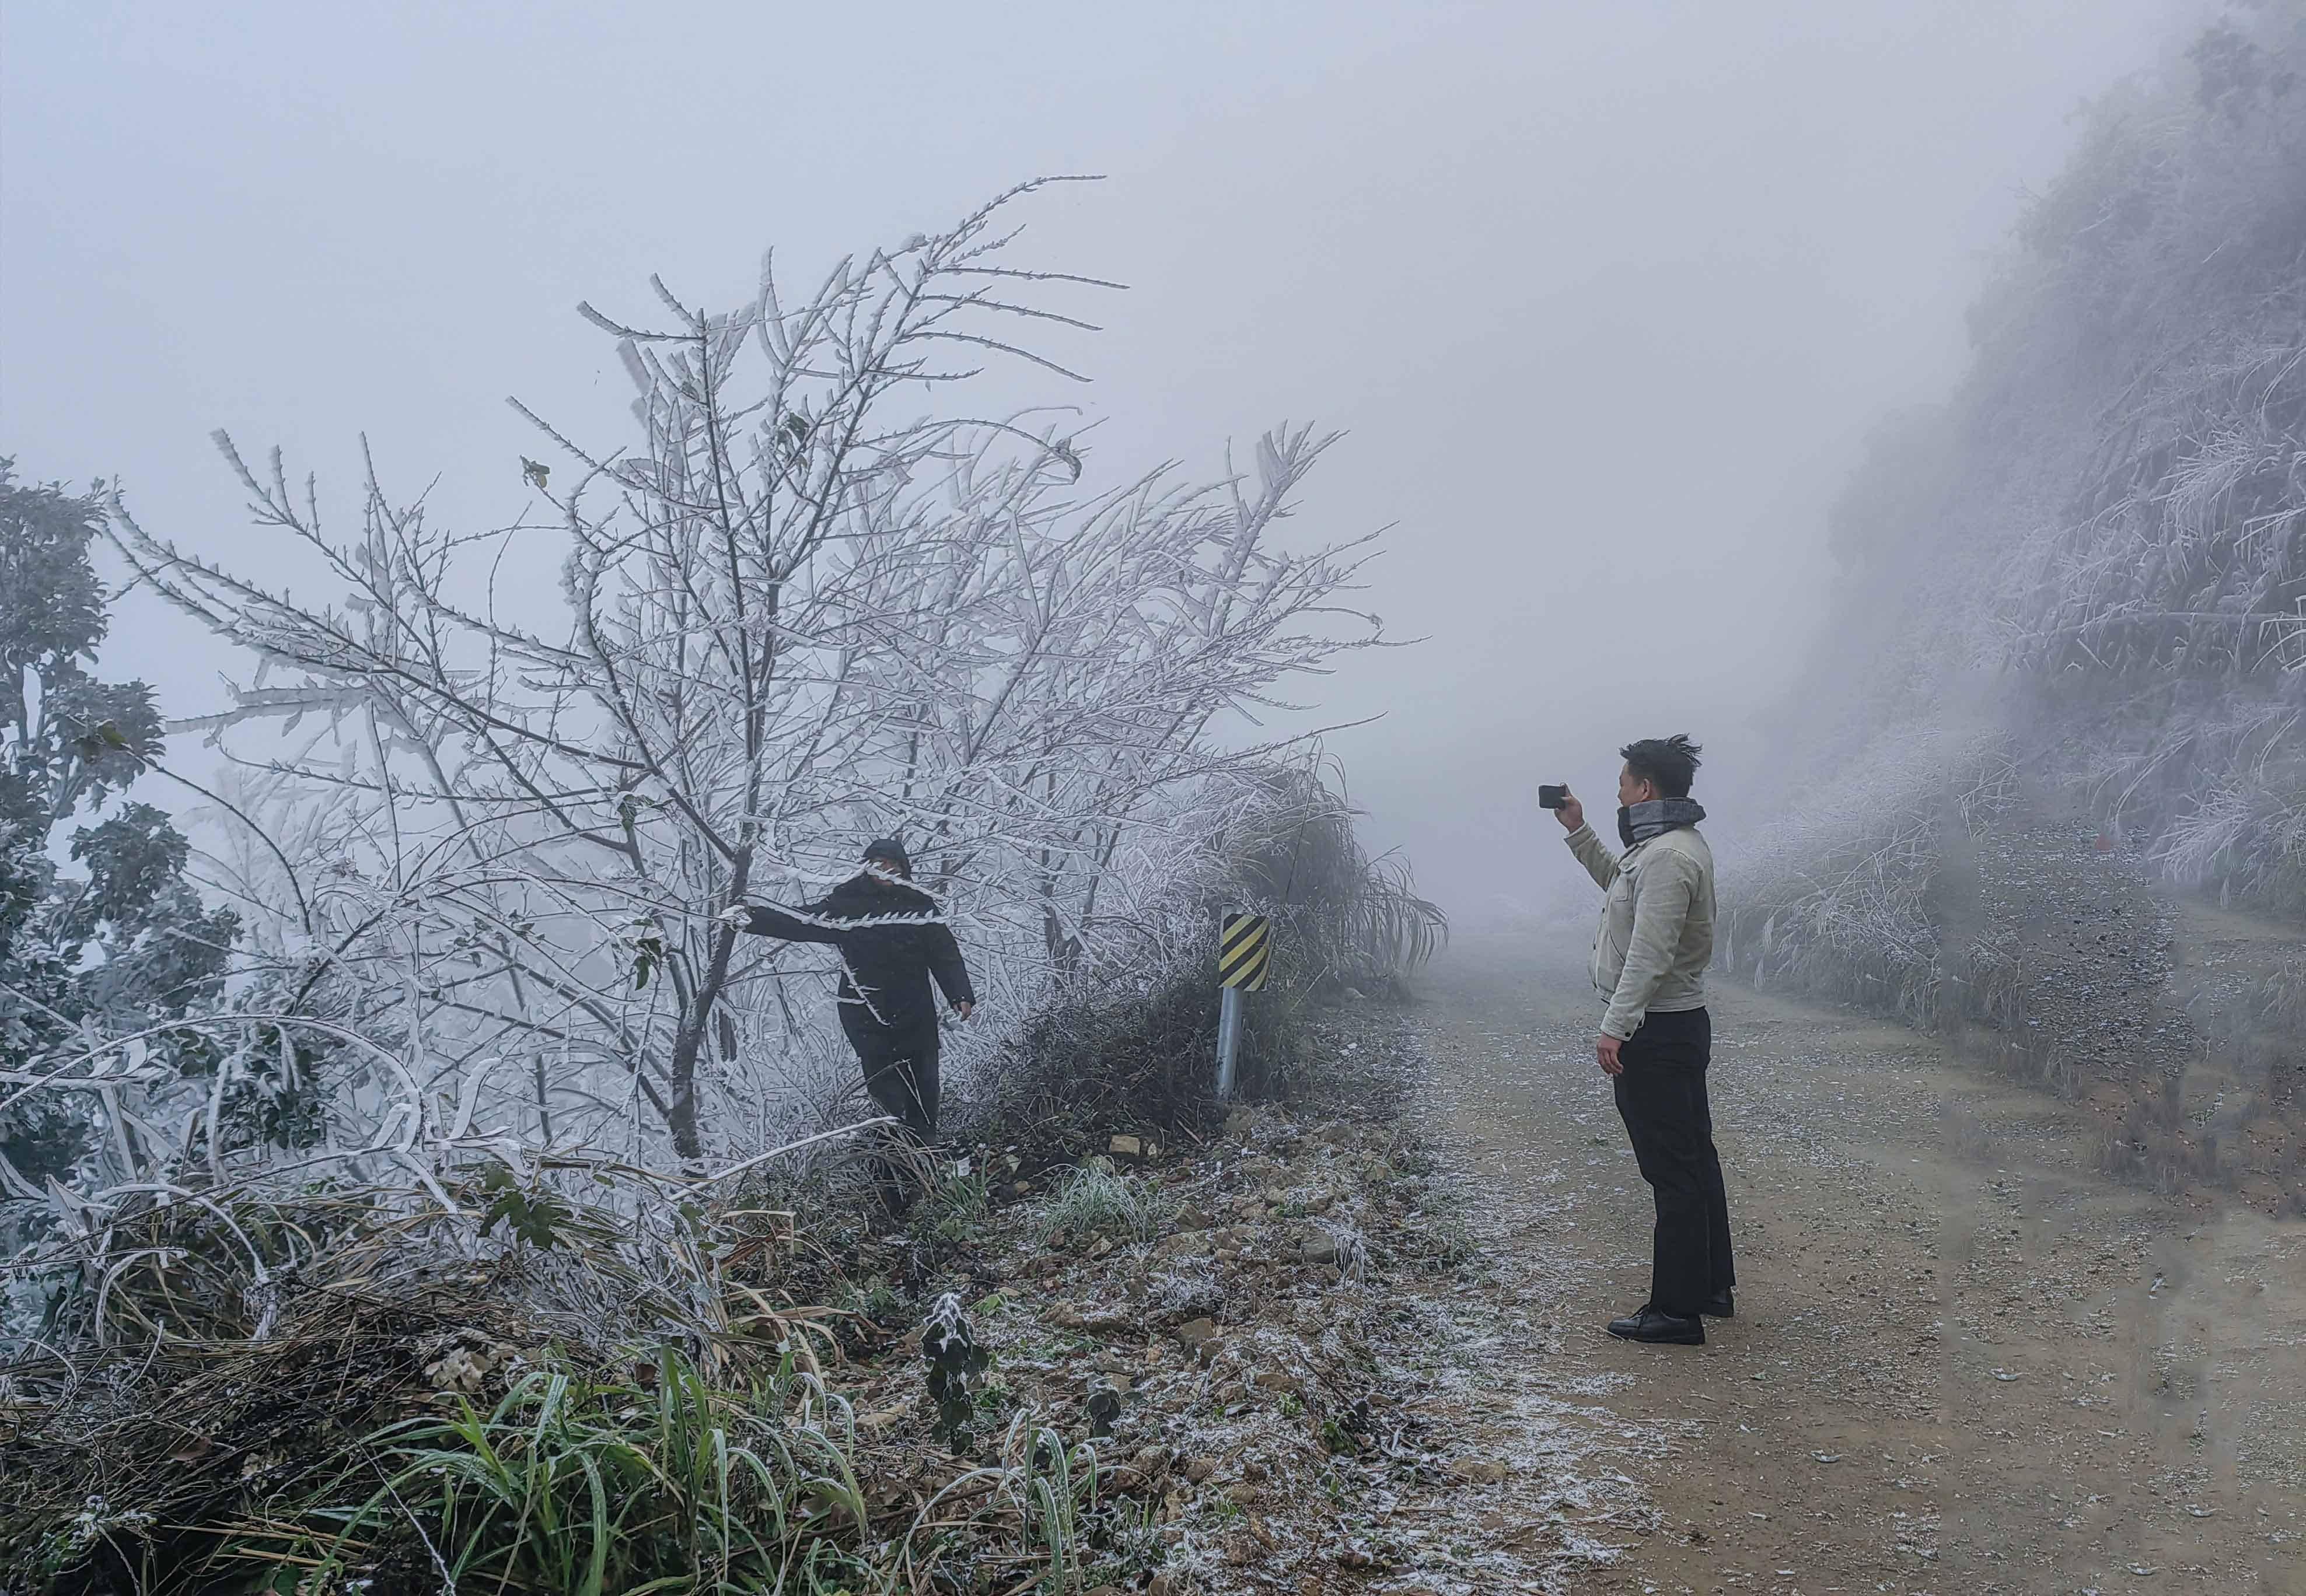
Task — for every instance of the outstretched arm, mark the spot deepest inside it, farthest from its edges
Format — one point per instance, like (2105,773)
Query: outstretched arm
(802,925)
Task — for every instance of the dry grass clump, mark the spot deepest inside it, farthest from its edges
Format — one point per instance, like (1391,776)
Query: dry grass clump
(134,1463)
(1132,1044)
(1108,1051)
(1343,917)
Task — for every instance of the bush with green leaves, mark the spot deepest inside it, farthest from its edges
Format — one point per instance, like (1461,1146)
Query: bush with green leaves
(952,1211)
(122,943)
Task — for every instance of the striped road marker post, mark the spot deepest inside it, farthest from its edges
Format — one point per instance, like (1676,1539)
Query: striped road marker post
(1244,959)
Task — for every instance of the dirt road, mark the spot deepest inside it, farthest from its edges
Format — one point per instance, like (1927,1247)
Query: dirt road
(1963,1362)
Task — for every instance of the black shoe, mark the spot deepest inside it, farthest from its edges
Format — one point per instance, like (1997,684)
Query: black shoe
(1649,1324)
(1723,1305)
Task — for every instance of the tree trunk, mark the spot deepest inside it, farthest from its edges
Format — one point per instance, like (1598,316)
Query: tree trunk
(697,1022)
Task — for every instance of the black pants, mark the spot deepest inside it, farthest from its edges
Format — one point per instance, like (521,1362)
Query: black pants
(900,1073)
(1662,1097)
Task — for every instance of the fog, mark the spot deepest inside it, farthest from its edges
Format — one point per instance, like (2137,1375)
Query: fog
(1604,297)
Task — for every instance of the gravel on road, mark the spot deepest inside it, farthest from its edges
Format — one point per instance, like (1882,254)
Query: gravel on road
(1965,1361)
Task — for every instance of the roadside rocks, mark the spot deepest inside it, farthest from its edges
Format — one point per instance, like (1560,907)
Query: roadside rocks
(1195,1334)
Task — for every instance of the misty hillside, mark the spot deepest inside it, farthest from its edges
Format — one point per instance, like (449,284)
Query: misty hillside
(2060,801)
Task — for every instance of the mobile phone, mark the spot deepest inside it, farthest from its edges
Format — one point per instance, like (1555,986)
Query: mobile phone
(1553,797)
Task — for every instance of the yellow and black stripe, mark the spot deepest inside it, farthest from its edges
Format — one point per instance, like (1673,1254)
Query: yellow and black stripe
(1245,953)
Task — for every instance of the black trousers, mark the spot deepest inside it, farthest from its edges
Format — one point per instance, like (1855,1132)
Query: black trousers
(900,1074)
(900,1066)
(1662,1097)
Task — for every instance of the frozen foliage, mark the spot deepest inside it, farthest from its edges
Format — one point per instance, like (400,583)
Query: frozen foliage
(2098,547)
(1841,896)
(812,600)
(954,1360)
(1091,1202)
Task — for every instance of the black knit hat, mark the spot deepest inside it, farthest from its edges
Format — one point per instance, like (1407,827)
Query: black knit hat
(888,851)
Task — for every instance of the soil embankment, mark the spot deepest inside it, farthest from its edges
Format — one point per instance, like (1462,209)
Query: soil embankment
(1965,1360)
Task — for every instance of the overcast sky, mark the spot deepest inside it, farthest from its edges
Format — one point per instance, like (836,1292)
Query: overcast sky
(1605,294)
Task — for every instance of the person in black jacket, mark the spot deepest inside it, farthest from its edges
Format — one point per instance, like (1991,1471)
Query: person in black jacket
(893,940)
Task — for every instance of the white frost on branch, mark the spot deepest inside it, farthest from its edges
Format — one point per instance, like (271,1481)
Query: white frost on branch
(811,601)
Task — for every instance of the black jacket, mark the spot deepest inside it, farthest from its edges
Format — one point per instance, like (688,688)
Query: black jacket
(892,938)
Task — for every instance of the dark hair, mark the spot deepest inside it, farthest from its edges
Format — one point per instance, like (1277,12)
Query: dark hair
(1666,763)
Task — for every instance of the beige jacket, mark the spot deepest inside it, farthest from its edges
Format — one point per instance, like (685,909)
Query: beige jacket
(1656,936)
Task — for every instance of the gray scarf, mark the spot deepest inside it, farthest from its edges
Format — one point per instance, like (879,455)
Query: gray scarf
(1638,822)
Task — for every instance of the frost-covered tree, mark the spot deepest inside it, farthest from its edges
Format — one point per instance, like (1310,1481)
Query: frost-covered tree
(122,943)
(812,599)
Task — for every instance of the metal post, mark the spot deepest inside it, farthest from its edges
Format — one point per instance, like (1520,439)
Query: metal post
(1228,1038)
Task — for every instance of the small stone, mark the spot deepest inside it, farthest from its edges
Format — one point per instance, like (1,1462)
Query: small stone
(1319,1248)
(1195,1331)
(1100,1247)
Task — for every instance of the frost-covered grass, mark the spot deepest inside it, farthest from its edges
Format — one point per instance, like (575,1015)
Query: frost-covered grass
(954,1208)
(1836,896)
(1095,1201)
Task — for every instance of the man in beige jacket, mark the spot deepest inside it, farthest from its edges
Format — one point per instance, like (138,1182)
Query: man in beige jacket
(1650,954)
